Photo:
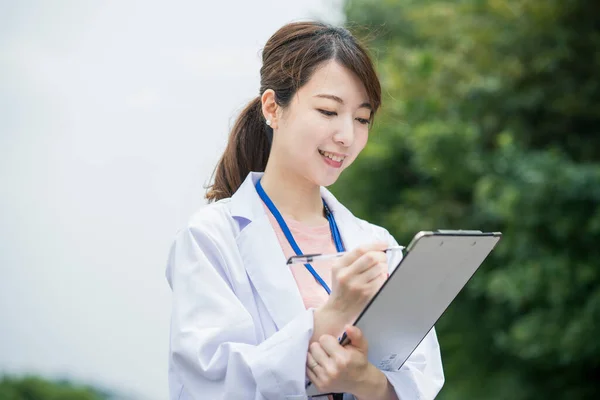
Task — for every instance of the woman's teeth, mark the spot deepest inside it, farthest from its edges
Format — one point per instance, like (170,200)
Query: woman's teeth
(331,156)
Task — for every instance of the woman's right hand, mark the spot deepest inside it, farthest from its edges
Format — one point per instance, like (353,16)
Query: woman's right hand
(356,277)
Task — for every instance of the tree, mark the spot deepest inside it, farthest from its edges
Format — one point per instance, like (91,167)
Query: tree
(35,388)
(490,121)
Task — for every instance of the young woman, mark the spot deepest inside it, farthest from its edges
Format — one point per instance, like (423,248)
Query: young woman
(245,325)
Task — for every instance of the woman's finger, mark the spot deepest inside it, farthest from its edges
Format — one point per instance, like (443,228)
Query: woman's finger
(313,367)
(313,377)
(367,261)
(374,272)
(331,345)
(337,354)
(357,338)
(352,256)
(310,360)
(321,357)
(376,283)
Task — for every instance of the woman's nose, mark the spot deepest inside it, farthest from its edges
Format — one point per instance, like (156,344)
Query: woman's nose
(345,134)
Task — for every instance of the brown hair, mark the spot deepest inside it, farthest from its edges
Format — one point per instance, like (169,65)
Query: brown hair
(289,59)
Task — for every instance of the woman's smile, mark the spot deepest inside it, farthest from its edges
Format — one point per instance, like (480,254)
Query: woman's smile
(332,159)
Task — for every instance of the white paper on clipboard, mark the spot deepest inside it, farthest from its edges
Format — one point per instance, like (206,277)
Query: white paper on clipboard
(437,265)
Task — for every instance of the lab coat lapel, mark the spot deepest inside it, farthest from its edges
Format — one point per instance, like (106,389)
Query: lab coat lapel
(263,257)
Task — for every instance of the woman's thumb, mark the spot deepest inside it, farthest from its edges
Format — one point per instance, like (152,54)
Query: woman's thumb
(356,337)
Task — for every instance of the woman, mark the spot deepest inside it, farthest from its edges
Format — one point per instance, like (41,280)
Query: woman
(245,325)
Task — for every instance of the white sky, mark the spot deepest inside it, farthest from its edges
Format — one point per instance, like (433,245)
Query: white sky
(112,117)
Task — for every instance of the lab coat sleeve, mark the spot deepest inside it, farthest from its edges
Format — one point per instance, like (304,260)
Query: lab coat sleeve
(214,346)
(422,376)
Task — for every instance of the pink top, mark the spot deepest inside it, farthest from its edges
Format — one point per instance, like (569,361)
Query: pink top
(310,239)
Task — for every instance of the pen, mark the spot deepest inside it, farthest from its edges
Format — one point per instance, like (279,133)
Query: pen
(308,258)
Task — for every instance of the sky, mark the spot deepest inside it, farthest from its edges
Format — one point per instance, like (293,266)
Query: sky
(113,115)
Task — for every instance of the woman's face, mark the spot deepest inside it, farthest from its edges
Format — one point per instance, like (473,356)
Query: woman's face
(325,126)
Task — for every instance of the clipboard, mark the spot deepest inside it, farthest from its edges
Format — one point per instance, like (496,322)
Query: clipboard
(435,268)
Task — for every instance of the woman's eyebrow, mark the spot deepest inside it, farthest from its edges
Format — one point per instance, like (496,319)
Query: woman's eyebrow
(339,100)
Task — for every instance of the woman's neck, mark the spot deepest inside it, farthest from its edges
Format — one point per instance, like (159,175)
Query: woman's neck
(293,195)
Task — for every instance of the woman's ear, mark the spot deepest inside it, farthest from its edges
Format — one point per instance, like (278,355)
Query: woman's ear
(269,107)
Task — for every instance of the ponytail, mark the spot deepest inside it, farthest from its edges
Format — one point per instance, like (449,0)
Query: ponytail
(247,150)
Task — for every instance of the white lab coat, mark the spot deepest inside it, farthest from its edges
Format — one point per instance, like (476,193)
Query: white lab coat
(239,329)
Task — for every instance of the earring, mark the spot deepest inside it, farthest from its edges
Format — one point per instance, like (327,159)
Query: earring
(269,122)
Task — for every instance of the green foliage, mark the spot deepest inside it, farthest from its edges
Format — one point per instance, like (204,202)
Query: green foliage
(490,121)
(34,388)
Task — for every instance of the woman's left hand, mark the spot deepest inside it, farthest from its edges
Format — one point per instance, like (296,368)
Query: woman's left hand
(345,369)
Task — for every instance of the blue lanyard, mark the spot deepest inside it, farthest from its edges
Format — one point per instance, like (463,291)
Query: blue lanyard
(335,233)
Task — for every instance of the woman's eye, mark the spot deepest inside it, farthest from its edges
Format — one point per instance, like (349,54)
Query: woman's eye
(328,113)
(332,113)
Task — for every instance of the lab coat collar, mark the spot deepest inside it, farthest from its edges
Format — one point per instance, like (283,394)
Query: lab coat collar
(262,254)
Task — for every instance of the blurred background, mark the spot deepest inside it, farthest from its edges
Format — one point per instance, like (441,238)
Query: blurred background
(113,115)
